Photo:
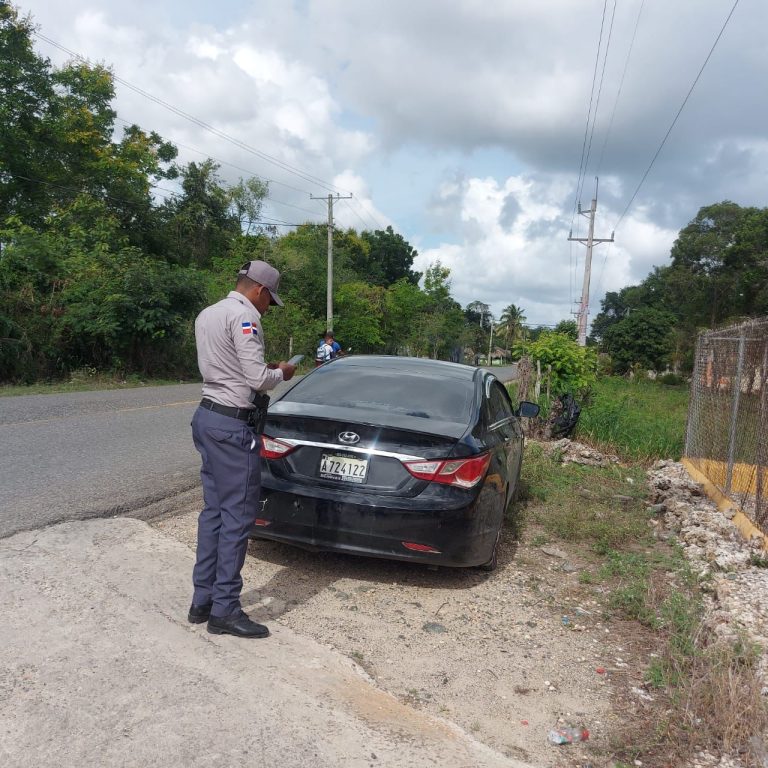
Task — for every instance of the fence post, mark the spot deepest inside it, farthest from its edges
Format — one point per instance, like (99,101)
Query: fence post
(694,395)
(760,460)
(735,411)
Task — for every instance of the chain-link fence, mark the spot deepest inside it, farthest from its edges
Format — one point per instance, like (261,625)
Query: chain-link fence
(727,434)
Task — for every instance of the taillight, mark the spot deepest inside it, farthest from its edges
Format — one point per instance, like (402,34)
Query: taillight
(463,473)
(272,448)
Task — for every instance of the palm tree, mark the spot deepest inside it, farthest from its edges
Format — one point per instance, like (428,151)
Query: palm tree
(512,319)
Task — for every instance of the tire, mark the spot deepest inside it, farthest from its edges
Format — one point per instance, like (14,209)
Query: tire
(493,563)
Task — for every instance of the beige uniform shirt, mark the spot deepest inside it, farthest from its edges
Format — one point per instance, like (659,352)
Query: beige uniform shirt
(230,352)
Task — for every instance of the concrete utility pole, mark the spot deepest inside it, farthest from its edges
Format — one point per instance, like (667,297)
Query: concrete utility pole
(329,289)
(487,313)
(589,241)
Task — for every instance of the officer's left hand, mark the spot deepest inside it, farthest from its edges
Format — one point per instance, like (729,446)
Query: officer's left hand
(272,366)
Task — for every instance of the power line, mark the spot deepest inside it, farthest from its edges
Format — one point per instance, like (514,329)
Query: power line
(265,220)
(253,174)
(679,111)
(582,169)
(369,213)
(362,221)
(79,190)
(602,269)
(300,173)
(584,311)
(597,101)
(200,123)
(589,114)
(621,86)
(224,162)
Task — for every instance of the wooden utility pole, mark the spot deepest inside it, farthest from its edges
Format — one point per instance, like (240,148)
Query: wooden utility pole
(583,313)
(329,288)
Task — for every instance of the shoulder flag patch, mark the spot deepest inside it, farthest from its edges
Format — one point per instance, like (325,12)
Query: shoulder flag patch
(247,328)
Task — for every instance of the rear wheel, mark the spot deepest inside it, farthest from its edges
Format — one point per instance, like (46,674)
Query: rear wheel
(493,563)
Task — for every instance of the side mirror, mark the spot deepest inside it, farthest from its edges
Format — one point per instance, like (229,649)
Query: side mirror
(527,410)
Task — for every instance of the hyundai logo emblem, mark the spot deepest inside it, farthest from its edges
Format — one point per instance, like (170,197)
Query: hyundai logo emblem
(350,438)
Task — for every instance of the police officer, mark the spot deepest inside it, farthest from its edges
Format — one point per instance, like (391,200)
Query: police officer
(226,430)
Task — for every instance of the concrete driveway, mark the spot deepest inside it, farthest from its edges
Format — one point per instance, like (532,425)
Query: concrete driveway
(98,667)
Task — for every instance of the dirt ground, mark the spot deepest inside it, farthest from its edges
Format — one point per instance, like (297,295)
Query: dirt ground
(507,655)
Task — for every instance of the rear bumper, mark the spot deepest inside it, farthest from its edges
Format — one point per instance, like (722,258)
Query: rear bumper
(464,537)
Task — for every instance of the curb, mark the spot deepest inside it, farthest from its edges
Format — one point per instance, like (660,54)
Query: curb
(746,527)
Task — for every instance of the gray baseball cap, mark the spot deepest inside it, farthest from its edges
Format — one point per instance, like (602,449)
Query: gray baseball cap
(262,273)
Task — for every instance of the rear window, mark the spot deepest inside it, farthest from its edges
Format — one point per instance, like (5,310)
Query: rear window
(377,389)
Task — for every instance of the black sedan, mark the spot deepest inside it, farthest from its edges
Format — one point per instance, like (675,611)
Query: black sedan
(392,457)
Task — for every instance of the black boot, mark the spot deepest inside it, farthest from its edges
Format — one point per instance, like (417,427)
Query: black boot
(199,613)
(238,624)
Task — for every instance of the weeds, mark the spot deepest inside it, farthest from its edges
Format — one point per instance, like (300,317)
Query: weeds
(570,509)
(707,695)
(639,420)
(85,380)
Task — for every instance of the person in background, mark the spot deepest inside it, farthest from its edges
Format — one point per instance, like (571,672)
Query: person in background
(335,346)
(325,350)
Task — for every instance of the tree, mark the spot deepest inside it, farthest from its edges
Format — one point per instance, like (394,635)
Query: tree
(201,220)
(717,249)
(512,319)
(571,368)
(389,258)
(442,321)
(643,338)
(26,97)
(246,199)
(404,303)
(475,317)
(568,328)
(79,295)
(57,140)
(95,272)
(437,283)
(360,309)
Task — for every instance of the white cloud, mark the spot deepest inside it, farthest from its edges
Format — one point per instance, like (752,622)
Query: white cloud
(335,89)
(529,262)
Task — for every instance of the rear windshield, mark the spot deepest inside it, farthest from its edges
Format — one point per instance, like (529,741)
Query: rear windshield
(423,397)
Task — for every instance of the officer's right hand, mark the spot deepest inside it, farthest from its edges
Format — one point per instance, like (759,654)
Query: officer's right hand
(287,369)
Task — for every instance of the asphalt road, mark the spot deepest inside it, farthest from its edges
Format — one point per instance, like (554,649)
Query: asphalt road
(87,454)
(96,454)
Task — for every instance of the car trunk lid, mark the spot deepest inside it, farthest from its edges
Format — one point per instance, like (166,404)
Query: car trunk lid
(359,455)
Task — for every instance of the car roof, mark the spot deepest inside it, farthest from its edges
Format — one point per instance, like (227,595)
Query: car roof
(417,365)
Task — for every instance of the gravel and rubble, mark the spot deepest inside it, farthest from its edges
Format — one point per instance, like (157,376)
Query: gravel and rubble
(725,562)
(571,452)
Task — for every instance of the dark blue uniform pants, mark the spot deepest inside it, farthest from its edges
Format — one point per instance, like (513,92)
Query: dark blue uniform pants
(231,477)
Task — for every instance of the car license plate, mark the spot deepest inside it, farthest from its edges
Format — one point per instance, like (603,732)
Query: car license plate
(335,466)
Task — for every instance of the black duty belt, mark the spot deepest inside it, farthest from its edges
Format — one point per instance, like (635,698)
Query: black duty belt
(244,414)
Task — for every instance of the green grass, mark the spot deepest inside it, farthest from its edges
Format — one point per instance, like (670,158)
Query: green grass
(576,503)
(638,420)
(84,382)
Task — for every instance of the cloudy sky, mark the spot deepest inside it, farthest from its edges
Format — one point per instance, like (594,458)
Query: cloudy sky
(459,122)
